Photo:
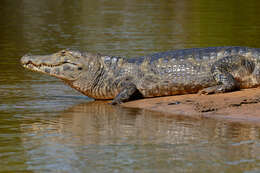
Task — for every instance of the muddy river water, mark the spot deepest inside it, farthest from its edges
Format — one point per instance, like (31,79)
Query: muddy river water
(46,126)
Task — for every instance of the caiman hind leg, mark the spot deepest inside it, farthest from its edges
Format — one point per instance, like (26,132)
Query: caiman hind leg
(223,72)
(226,83)
(128,92)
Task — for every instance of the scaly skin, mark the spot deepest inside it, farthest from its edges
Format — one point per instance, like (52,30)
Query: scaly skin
(203,70)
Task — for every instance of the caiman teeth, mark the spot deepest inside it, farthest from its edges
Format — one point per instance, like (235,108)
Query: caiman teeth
(48,65)
(43,65)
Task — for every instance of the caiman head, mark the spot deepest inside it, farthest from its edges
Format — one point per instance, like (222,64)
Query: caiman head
(71,66)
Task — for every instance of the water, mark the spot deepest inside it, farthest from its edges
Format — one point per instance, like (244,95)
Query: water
(48,127)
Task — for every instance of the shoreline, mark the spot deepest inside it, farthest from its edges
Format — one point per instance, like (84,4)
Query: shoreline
(242,106)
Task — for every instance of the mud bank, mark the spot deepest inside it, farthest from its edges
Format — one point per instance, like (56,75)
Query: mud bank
(241,105)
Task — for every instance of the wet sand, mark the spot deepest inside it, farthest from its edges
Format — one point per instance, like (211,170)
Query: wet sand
(243,105)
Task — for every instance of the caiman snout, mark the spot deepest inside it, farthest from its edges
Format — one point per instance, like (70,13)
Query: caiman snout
(32,59)
(38,60)
(26,59)
(60,65)
(31,62)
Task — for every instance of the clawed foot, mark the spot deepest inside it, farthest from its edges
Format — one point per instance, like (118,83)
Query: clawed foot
(206,91)
(211,90)
(115,102)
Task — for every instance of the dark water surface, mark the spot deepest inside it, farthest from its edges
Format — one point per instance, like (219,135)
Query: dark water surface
(47,127)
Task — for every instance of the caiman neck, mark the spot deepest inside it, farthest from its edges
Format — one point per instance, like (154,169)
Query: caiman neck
(90,82)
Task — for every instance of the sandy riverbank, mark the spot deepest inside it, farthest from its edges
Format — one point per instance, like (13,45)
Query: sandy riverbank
(241,105)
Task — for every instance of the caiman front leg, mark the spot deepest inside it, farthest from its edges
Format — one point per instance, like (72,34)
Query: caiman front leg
(222,70)
(128,92)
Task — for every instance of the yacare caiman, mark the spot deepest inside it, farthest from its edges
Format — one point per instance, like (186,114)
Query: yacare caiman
(202,70)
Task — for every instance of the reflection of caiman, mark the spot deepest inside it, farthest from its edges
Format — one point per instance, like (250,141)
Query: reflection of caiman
(207,70)
(100,123)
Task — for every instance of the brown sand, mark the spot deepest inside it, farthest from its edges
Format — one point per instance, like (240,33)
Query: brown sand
(241,105)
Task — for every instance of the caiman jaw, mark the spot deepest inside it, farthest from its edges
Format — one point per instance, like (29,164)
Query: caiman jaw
(38,67)
(63,69)
(43,67)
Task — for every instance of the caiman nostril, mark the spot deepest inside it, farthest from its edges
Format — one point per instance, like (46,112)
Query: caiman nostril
(25,59)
